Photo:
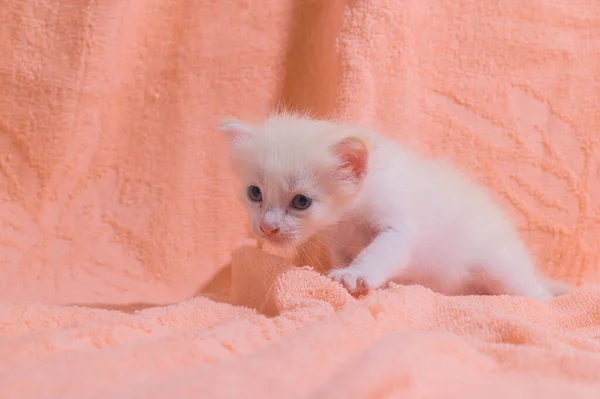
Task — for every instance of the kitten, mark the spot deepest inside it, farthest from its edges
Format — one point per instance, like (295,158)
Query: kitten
(385,213)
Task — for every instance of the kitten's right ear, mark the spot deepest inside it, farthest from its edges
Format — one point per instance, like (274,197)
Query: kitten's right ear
(353,153)
(235,130)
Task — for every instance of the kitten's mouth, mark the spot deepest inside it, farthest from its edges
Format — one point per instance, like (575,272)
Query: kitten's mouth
(278,241)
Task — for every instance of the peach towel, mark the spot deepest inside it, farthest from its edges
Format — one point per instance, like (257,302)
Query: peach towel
(115,190)
(320,343)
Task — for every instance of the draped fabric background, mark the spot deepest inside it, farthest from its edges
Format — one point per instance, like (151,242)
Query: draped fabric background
(114,182)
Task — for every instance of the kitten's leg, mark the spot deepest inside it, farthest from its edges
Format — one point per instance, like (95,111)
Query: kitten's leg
(528,286)
(383,259)
(512,272)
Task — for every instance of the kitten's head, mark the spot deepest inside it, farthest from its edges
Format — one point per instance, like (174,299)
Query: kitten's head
(298,176)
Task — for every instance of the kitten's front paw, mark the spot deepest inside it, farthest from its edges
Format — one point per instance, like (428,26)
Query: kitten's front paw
(356,280)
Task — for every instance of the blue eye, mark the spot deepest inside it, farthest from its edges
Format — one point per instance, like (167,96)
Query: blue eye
(254,194)
(301,202)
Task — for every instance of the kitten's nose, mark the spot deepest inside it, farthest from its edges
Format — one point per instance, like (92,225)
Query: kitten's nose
(268,229)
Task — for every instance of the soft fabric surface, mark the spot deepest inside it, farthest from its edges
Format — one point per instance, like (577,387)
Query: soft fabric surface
(116,196)
(310,339)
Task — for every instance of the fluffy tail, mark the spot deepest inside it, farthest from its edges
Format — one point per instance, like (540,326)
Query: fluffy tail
(558,288)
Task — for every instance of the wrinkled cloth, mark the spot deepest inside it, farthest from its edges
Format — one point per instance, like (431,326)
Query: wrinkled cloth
(119,214)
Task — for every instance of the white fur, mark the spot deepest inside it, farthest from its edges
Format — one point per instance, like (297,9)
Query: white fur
(410,220)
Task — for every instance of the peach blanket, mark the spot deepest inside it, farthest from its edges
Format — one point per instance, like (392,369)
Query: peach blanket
(118,219)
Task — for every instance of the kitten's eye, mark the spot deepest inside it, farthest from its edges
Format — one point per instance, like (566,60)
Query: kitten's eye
(254,194)
(301,202)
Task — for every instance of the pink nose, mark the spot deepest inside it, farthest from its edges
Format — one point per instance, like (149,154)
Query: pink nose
(268,229)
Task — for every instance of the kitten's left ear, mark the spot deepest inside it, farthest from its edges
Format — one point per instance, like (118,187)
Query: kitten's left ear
(235,130)
(354,156)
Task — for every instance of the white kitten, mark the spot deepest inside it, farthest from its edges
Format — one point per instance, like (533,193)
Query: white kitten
(385,213)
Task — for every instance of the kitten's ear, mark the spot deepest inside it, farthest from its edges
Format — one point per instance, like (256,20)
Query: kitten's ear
(235,130)
(354,156)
